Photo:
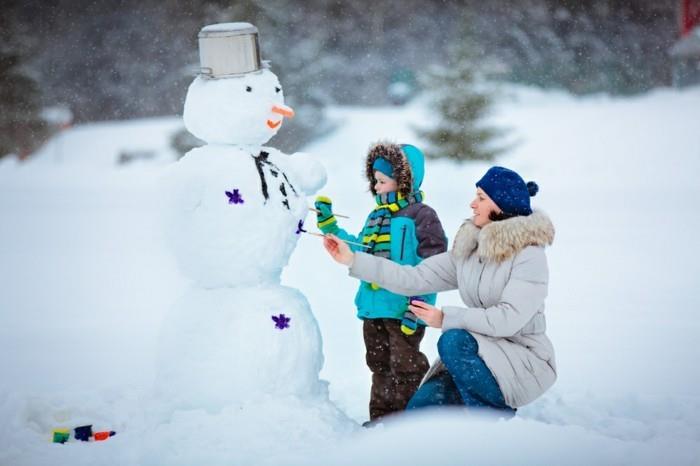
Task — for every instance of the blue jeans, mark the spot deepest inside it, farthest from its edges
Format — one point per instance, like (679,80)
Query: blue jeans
(467,380)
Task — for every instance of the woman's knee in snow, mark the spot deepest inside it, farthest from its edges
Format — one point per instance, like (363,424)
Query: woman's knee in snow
(456,342)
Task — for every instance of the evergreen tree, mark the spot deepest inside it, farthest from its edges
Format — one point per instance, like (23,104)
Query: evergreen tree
(21,127)
(460,106)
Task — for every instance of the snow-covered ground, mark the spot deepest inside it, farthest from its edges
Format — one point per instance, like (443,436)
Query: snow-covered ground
(85,281)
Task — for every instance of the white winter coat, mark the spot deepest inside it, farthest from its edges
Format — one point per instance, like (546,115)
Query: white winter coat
(501,273)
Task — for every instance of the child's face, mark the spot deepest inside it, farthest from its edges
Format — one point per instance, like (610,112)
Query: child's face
(383,183)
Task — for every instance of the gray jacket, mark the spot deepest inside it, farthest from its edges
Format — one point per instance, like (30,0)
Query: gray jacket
(501,273)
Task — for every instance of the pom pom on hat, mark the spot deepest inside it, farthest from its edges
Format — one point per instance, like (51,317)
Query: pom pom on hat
(532,188)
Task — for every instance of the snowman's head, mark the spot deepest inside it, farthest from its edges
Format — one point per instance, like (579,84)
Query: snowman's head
(243,110)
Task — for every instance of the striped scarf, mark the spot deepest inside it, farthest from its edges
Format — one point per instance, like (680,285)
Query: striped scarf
(377,232)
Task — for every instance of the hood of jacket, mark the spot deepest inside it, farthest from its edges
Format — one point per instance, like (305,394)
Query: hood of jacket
(497,241)
(407,161)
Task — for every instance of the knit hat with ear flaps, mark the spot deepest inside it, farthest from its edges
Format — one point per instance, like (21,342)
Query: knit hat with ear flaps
(508,190)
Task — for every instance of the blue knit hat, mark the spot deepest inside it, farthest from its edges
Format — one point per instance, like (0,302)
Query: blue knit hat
(508,190)
(381,164)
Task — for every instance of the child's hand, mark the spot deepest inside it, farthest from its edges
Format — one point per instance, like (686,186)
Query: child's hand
(428,313)
(337,248)
(324,215)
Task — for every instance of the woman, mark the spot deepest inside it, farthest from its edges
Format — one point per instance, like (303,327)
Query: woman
(494,352)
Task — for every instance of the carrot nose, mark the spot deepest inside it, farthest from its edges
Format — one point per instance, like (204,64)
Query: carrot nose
(283,110)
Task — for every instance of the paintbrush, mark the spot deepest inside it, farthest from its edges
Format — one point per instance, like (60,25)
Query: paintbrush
(323,236)
(337,215)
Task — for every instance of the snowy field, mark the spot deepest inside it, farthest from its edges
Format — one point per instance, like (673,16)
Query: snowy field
(85,282)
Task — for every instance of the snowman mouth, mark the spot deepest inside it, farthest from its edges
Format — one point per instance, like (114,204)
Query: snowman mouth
(273,124)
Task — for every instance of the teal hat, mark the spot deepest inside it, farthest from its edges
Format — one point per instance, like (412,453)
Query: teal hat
(382,165)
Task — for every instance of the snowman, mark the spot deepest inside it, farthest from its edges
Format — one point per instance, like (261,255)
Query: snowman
(234,213)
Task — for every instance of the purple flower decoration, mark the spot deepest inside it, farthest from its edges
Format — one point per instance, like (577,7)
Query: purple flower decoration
(300,227)
(281,321)
(234,197)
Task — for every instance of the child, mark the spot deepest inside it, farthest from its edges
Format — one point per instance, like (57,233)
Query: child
(405,230)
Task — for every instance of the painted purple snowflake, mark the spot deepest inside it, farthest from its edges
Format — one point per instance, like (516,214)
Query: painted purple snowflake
(234,197)
(300,227)
(281,321)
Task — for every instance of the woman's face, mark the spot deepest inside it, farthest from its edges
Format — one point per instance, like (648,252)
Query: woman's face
(482,206)
(383,183)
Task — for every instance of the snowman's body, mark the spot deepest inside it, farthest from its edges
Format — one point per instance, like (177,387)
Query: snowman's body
(233,217)
(236,211)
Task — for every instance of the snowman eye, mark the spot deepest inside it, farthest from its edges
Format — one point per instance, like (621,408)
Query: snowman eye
(248,89)
(278,89)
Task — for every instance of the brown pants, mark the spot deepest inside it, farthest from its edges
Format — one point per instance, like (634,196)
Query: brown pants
(396,363)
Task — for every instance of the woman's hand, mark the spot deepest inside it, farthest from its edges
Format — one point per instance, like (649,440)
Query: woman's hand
(337,248)
(429,314)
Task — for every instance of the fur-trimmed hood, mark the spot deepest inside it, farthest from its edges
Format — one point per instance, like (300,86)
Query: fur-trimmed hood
(502,239)
(406,160)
